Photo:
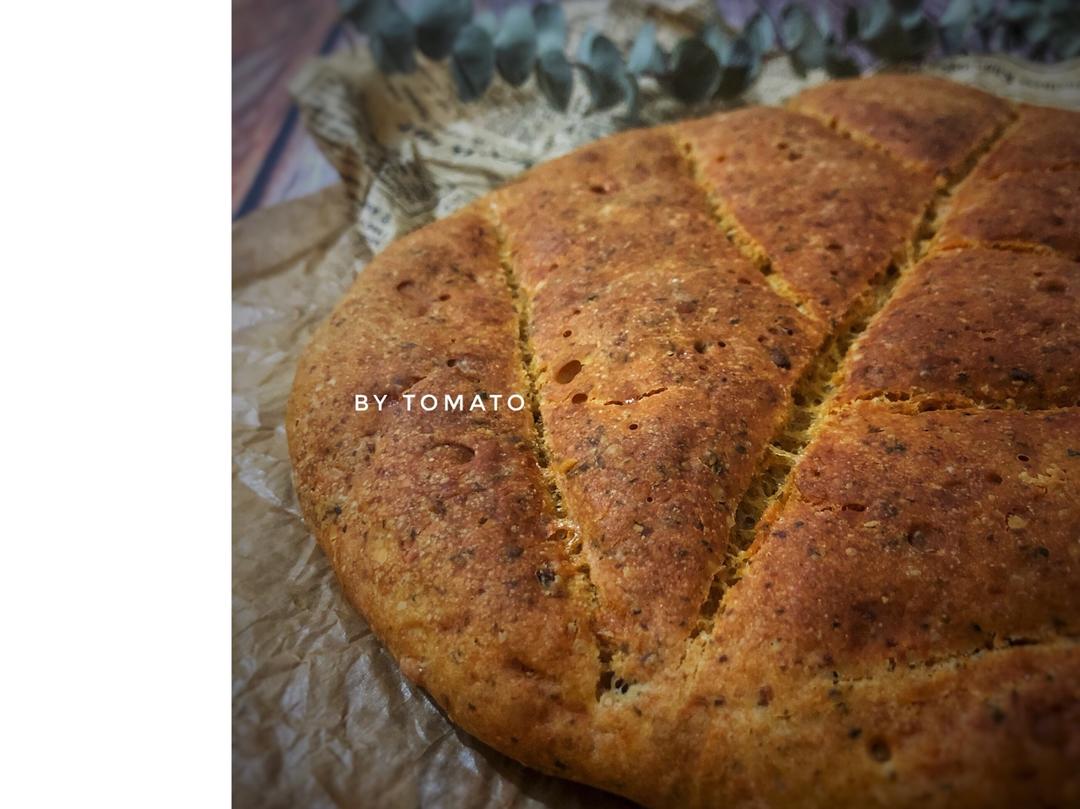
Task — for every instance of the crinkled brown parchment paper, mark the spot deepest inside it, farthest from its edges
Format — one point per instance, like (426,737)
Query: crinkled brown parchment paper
(321,715)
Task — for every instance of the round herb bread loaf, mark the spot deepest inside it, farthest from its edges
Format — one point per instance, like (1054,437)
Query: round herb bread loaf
(792,513)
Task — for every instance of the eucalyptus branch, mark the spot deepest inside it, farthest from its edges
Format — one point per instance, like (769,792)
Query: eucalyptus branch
(718,62)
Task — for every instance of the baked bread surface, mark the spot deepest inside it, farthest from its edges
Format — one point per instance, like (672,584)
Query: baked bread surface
(792,517)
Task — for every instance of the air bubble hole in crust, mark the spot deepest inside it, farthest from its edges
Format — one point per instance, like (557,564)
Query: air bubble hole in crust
(579,398)
(879,750)
(566,374)
(453,452)
(1051,286)
(403,285)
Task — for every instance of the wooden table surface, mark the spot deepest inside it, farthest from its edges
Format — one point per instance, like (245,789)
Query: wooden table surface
(274,159)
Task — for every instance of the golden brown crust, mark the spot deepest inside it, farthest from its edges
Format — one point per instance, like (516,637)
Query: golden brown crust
(909,537)
(1042,139)
(991,729)
(928,123)
(1031,211)
(809,202)
(567,582)
(438,525)
(978,327)
(900,632)
(664,366)
(1025,194)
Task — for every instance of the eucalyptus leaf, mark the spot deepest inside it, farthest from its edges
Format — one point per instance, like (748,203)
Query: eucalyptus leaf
(793,22)
(738,69)
(550,22)
(921,40)
(839,63)
(646,55)
(393,50)
(958,12)
(718,40)
(899,44)
(352,10)
(363,13)
(997,39)
(633,99)
(984,9)
(515,45)
(874,19)
(823,21)
(437,24)
(584,46)
(906,6)
(760,32)
(391,37)
(605,74)
(694,71)
(733,82)
(1066,44)
(851,23)
(472,62)
(953,39)
(1038,30)
(911,20)
(487,21)
(1020,11)
(555,78)
(802,38)
(743,54)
